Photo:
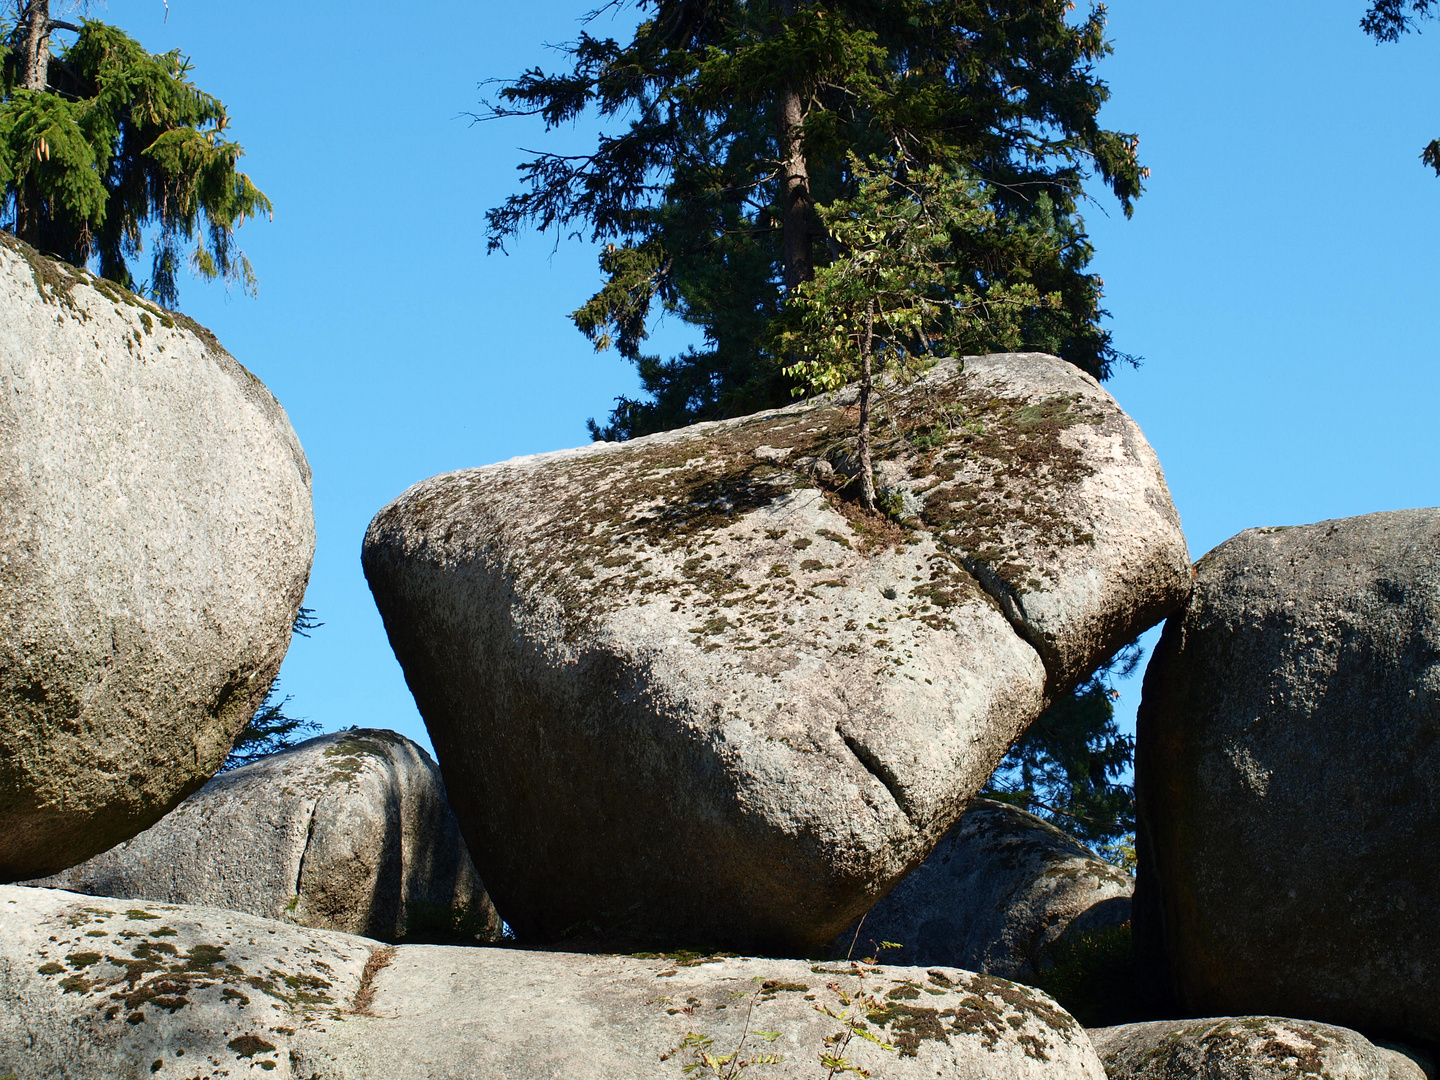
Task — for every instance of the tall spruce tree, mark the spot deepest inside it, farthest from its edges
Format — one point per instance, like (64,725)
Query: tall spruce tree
(101,141)
(733,122)
(1390,20)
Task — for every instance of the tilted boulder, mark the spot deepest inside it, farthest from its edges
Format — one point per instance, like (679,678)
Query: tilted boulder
(684,691)
(93,989)
(155,541)
(995,896)
(345,832)
(1246,1048)
(1289,818)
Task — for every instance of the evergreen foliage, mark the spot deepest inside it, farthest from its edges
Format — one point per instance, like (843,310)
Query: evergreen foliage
(1065,767)
(102,141)
(1389,20)
(270,730)
(736,121)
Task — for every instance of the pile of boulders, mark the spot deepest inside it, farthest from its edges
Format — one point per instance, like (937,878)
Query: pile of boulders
(690,701)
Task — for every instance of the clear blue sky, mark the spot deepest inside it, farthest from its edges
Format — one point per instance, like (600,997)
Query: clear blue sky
(1279,278)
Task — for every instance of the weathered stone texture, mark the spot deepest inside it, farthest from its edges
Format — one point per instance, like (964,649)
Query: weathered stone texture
(348,832)
(683,691)
(93,989)
(994,896)
(1289,740)
(155,542)
(1246,1048)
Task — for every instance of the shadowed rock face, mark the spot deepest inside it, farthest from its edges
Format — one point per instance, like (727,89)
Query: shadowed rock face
(345,832)
(1246,1048)
(683,691)
(155,542)
(996,893)
(1288,744)
(93,988)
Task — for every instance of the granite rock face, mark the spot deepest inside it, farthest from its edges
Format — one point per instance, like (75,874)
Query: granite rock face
(1246,1048)
(127,992)
(155,541)
(684,691)
(994,896)
(1288,743)
(348,832)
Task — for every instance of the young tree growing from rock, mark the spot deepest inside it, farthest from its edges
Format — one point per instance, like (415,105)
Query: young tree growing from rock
(899,286)
(102,141)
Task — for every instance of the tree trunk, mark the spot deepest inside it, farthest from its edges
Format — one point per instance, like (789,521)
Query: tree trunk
(35,60)
(33,75)
(795,183)
(867,471)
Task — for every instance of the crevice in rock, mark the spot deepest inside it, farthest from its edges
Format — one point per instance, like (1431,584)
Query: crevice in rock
(1012,607)
(309,836)
(876,768)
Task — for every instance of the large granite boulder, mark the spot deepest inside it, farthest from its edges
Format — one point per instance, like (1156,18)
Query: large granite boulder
(1288,745)
(683,690)
(345,832)
(995,896)
(1247,1048)
(155,542)
(92,989)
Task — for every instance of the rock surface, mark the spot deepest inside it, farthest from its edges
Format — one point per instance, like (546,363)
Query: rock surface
(1288,744)
(348,832)
(155,542)
(683,691)
(1246,1048)
(996,893)
(98,989)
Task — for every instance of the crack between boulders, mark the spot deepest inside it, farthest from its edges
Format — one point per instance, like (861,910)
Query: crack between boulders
(876,768)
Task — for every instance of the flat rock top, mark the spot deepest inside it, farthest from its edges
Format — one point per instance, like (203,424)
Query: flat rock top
(110,989)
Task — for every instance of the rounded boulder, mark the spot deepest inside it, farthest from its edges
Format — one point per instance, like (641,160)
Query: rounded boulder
(1288,744)
(348,832)
(156,535)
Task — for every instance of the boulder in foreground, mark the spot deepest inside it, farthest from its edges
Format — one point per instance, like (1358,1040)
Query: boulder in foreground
(128,992)
(1289,817)
(995,896)
(155,541)
(1246,1048)
(348,832)
(683,691)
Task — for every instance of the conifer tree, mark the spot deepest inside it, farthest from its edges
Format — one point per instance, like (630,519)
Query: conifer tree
(731,125)
(101,141)
(1066,768)
(1389,20)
